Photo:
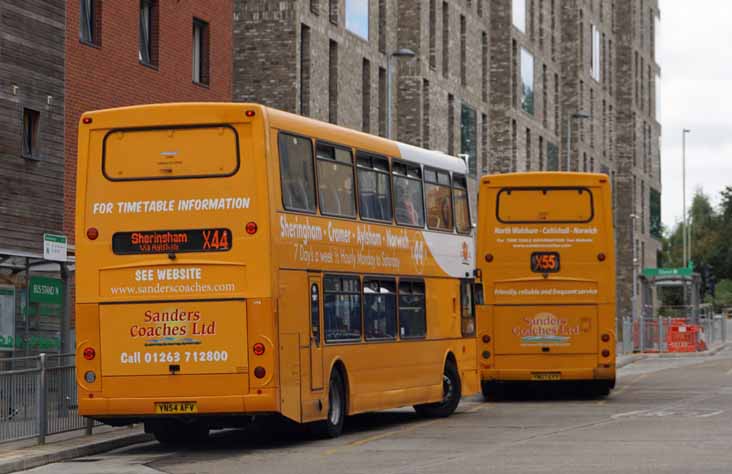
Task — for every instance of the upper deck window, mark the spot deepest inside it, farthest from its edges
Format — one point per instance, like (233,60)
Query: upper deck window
(462,208)
(335,181)
(439,201)
(408,199)
(374,187)
(170,152)
(568,205)
(296,172)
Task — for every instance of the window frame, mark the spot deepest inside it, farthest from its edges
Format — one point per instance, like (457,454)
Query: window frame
(455,177)
(450,198)
(467,283)
(380,279)
(30,134)
(372,169)
(340,163)
(204,54)
(411,282)
(324,329)
(312,165)
(153,34)
(420,180)
(544,188)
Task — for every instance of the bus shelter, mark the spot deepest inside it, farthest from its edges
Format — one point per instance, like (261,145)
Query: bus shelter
(35,304)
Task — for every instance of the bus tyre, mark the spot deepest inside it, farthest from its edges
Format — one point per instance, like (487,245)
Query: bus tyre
(452,391)
(332,426)
(172,432)
(601,389)
(493,391)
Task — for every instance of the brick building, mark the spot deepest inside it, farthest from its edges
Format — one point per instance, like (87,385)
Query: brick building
(505,82)
(124,53)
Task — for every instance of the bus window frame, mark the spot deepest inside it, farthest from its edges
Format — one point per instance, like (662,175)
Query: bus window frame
(388,174)
(437,172)
(407,177)
(356,211)
(324,329)
(411,281)
(312,164)
(545,188)
(467,202)
(168,127)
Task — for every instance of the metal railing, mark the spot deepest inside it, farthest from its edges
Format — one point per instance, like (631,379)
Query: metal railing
(38,397)
(661,334)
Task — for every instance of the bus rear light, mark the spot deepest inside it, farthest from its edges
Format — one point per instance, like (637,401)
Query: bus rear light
(258,349)
(605,353)
(250,113)
(486,355)
(90,377)
(92,233)
(489,257)
(259,372)
(86,120)
(601,257)
(486,338)
(251,228)
(90,353)
(605,338)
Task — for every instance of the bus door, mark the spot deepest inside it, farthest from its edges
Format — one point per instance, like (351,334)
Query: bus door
(316,342)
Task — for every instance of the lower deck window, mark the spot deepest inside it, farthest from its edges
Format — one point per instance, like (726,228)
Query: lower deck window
(342,303)
(412,314)
(379,308)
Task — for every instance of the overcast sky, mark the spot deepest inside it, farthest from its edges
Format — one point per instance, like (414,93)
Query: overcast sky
(696,87)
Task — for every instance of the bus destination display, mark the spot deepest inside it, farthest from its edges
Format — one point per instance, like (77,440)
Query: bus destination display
(545,262)
(171,241)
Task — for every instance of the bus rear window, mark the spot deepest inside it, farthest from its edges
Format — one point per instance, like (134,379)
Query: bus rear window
(171,153)
(537,205)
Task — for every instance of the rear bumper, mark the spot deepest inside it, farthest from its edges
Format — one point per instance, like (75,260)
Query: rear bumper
(140,408)
(527,375)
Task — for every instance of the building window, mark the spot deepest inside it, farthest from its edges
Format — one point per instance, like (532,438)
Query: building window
(382,102)
(450,124)
(382,26)
(527,81)
(333,11)
(379,308)
(90,21)
(469,138)
(31,119)
(484,67)
(296,171)
(425,113)
(655,227)
(433,36)
(315,6)
(596,54)
(305,70)
(357,17)
(519,14)
(366,96)
(412,313)
(200,52)
(439,205)
(408,200)
(148,51)
(527,166)
(342,308)
(333,82)
(335,181)
(552,157)
(484,143)
(374,187)
(445,39)
(541,153)
(463,52)
(514,145)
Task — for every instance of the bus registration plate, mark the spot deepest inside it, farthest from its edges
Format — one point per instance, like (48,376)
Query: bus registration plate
(170,408)
(545,376)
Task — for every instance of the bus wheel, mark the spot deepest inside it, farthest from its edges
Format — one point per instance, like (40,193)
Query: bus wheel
(452,391)
(601,389)
(332,426)
(173,432)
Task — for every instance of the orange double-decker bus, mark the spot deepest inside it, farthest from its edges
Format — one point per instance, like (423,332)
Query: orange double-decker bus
(546,261)
(235,260)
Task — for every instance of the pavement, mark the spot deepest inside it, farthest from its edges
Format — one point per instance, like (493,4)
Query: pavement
(667,414)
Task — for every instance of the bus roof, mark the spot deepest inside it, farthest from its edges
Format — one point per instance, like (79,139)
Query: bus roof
(539,178)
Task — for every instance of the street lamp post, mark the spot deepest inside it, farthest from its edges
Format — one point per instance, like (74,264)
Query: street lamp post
(399,53)
(578,115)
(683,194)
